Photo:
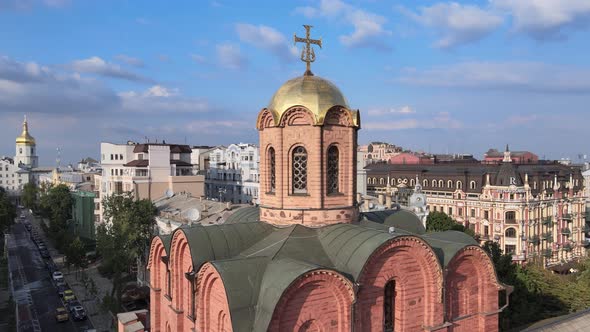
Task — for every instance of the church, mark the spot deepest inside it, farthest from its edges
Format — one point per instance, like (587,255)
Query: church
(306,259)
(20,170)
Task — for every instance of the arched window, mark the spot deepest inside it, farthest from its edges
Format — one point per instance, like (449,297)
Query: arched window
(389,306)
(450,184)
(472,185)
(433,183)
(333,161)
(381,181)
(271,169)
(510,232)
(392,181)
(20,150)
(441,183)
(299,170)
(459,185)
(412,182)
(425,183)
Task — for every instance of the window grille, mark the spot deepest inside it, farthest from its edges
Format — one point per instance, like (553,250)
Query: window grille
(333,160)
(299,170)
(271,160)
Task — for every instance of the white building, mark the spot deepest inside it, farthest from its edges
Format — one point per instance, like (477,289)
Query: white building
(147,171)
(23,168)
(233,174)
(200,157)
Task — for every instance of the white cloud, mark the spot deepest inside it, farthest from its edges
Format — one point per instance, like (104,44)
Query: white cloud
(512,76)
(229,56)
(546,19)
(161,100)
(456,23)
(34,88)
(198,58)
(98,66)
(368,27)
(441,120)
(136,62)
(267,38)
(388,111)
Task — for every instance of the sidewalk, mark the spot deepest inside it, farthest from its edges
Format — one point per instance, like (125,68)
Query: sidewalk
(102,321)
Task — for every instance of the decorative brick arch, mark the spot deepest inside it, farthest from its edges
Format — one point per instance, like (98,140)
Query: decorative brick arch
(157,270)
(297,115)
(471,288)
(180,263)
(266,118)
(338,116)
(413,265)
(213,312)
(320,300)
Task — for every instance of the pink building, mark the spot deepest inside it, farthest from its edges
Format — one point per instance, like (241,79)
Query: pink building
(409,158)
(517,157)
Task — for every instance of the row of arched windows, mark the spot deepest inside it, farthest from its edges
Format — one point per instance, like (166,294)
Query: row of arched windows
(299,163)
(425,183)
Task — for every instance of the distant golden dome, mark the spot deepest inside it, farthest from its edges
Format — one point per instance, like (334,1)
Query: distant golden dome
(313,92)
(25,137)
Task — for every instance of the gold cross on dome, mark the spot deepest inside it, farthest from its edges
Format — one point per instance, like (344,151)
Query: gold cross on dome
(307,53)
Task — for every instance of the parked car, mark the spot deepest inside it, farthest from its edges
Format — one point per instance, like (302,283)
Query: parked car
(61,315)
(69,295)
(78,313)
(72,304)
(44,253)
(61,289)
(57,276)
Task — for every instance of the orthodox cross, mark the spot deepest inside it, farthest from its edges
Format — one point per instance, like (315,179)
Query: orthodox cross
(307,53)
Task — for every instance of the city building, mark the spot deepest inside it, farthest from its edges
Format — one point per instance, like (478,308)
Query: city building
(378,152)
(147,171)
(23,167)
(517,157)
(83,215)
(200,157)
(306,259)
(232,175)
(533,210)
(411,158)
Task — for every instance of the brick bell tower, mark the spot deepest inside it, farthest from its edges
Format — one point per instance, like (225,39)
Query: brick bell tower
(308,143)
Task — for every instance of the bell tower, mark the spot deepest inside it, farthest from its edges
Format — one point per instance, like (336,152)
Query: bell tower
(308,143)
(25,148)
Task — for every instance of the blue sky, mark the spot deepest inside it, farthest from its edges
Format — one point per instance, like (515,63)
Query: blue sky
(427,75)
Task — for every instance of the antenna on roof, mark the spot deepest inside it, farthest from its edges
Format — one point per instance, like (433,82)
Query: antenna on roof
(169,193)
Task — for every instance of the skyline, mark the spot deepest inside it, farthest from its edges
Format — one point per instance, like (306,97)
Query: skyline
(458,77)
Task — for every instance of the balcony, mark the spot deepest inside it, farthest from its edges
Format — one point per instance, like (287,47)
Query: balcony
(547,237)
(547,222)
(566,231)
(568,247)
(547,253)
(567,216)
(534,239)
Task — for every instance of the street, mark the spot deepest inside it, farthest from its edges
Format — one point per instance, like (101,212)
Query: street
(34,292)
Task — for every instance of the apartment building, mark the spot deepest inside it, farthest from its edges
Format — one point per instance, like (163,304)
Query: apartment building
(233,174)
(147,171)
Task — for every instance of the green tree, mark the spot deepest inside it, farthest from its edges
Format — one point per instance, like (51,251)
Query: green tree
(125,237)
(7,211)
(75,253)
(439,222)
(29,195)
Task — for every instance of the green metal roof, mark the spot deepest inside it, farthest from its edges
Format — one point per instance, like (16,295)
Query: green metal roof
(258,261)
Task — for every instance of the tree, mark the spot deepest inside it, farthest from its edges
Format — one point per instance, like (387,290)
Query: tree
(125,236)
(29,195)
(7,211)
(75,253)
(439,222)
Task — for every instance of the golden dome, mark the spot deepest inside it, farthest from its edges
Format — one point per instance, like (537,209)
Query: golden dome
(25,137)
(313,92)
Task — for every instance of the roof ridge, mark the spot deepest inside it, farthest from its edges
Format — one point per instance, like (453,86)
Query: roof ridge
(284,241)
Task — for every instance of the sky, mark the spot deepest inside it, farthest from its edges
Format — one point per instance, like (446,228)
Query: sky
(435,76)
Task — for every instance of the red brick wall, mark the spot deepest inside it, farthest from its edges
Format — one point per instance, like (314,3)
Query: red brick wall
(472,292)
(418,276)
(213,310)
(318,301)
(157,270)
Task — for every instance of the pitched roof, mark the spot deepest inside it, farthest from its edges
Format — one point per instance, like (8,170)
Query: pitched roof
(258,261)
